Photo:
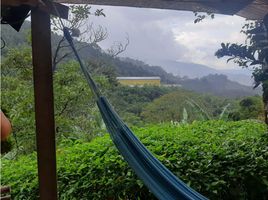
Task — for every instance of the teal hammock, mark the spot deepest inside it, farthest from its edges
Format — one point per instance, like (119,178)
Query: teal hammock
(160,181)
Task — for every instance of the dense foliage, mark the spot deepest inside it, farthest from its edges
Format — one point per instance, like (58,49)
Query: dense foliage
(75,111)
(222,160)
(186,106)
(252,54)
(129,102)
(248,108)
(76,114)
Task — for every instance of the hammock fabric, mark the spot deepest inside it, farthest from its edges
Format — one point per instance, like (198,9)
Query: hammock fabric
(161,182)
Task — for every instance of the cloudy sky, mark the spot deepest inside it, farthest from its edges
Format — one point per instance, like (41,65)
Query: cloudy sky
(169,35)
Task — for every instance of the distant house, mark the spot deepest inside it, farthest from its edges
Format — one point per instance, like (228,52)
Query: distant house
(139,81)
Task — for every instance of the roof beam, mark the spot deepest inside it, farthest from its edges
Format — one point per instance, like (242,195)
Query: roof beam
(250,9)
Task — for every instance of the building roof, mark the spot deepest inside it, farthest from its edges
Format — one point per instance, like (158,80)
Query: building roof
(250,9)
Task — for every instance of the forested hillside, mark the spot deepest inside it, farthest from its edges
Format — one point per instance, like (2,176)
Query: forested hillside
(219,85)
(193,70)
(92,53)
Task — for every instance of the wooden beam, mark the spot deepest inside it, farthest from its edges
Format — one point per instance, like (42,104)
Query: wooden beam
(44,5)
(44,104)
(55,9)
(228,7)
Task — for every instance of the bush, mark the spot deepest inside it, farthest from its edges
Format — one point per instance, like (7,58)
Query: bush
(221,160)
(173,105)
(76,113)
(249,108)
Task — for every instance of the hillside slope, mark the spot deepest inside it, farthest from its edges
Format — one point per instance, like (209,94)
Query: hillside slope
(193,70)
(213,84)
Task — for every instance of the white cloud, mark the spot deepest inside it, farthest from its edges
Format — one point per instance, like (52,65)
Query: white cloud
(203,39)
(164,34)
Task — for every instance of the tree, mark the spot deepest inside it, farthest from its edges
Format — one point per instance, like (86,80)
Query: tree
(253,54)
(85,33)
(76,113)
(184,106)
(248,108)
(118,48)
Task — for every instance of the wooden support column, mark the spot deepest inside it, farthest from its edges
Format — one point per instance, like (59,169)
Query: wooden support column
(44,106)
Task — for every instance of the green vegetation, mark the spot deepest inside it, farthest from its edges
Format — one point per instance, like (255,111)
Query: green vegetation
(222,160)
(225,159)
(249,108)
(253,54)
(129,102)
(76,114)
(185,106)
(90,51)
(217,84)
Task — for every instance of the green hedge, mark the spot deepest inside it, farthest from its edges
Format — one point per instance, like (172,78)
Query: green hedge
(222,160)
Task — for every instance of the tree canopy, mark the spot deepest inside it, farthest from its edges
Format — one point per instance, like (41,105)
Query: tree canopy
(252,54)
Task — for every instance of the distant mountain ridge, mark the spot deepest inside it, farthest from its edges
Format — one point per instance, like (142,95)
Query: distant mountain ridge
(193,70)
(213,84)
(217,84)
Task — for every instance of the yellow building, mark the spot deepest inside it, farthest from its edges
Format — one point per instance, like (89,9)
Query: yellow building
(139,81)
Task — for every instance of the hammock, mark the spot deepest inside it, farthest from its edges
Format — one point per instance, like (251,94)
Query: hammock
(160,181)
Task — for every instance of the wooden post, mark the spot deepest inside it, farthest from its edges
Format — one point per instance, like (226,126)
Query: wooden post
(44,107)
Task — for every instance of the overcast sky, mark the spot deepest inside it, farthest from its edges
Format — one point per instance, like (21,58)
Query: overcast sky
(169,35)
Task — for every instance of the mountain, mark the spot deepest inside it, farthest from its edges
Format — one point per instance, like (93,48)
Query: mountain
(182,69)
(193,70)
(242,76)
(219,85)
(216,84)
(131,67)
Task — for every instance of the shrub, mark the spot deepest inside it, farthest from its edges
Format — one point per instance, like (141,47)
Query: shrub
(221,160)
(76,113)
(172,107)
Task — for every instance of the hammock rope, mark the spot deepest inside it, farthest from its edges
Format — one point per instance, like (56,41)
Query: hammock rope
(160,181)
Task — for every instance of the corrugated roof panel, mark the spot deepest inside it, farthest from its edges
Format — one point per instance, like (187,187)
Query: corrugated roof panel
(256,10)
(250,9)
